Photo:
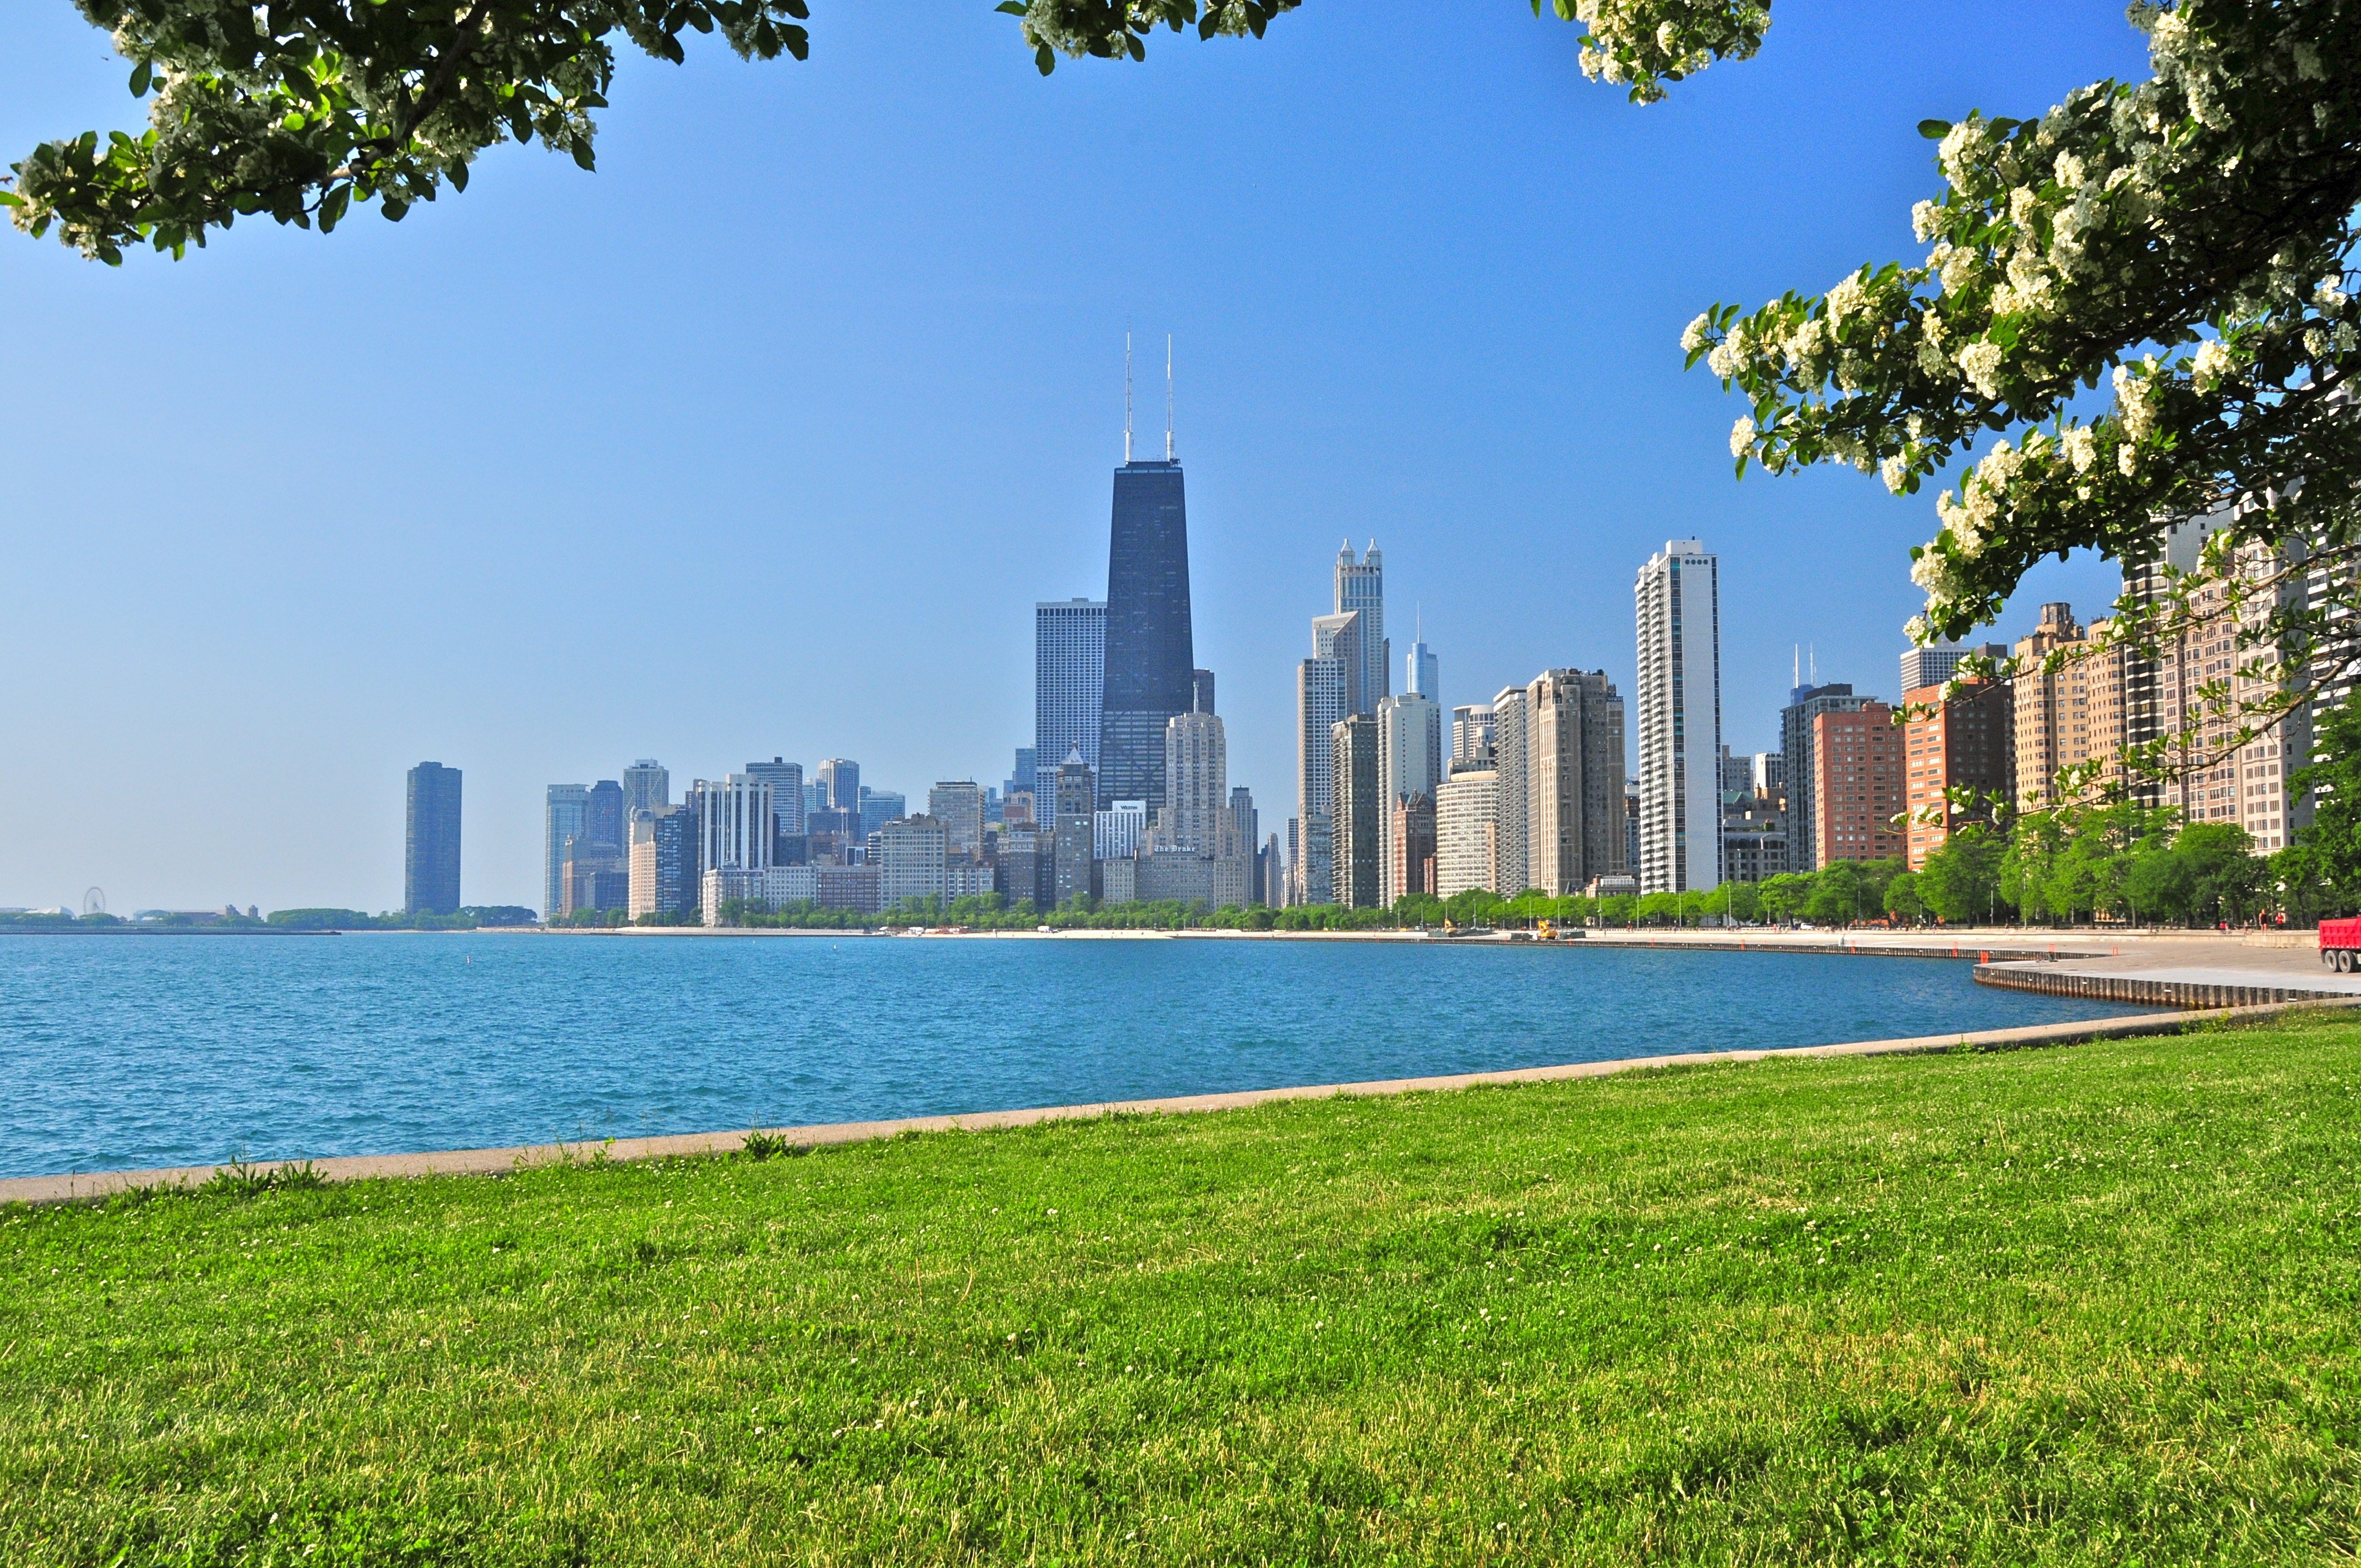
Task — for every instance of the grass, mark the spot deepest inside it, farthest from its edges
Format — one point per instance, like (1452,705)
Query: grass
(2089,1305)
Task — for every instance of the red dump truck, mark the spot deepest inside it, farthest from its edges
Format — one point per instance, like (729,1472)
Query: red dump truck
(2340,944)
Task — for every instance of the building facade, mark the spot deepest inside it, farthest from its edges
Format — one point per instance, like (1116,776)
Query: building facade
(786,781)
(1360,812)
(734,817)
(1150,649)
(430,845)
(1409,851)
(1197,787)
(1070,848)
(1361,590)
(2068,714)
(958,804)
(1120,831)
(1574,781)
(1466,832)
(1859,791)
(1321,701)
(1797,728)
(913,859)
(1937,662)
(1069,693)
(1512,791)
(561,820)
(839,781)
(1968,744)
(1678,596)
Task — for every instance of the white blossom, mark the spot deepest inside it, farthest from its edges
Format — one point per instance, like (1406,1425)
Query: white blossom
(2082,447)
(1741,438)
(1844,300)
(1980,362)
(1693,336)
(1926,218)
(1896,472)
(2212,362)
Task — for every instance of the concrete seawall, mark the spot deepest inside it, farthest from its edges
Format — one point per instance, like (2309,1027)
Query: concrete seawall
(2141,992)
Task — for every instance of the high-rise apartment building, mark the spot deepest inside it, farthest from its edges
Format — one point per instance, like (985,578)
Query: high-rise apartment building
(1798,731)
(1197,787)
(1573,772)
(1859,792)
(1244,828)
(2209,779)
(1937,662)
(786,781)
(1512,791)
(664,874)
(735,819)
(1072,850)
(1968,744)
(1471,736)
(2068,716)
(913,859)
(430,855)
(1409,769)
(1340,637)
(1150,649)
(1069,693)
(561,821)
(1466,832)
(1360,812)
(1322,688)
(1677,597)
(1361,590)
(958,804)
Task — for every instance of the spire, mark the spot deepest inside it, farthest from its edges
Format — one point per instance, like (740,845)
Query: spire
(1168,397)
(1797,678)
(1126,398)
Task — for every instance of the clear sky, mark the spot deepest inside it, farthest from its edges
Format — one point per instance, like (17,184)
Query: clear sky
(763,439)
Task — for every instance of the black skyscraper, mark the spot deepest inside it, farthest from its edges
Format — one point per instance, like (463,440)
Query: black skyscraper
(430,874)
(602,817)
(1150,657)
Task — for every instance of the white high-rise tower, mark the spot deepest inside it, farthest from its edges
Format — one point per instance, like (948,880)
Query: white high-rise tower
(1678,599)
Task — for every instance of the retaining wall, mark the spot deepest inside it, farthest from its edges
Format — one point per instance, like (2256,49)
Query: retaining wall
(2141,992)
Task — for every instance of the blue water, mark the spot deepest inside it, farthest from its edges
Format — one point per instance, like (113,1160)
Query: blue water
(121,1053)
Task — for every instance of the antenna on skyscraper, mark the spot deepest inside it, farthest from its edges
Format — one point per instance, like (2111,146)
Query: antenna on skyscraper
(1168,397)
(1126,396)
(1796,679)
(1814,650)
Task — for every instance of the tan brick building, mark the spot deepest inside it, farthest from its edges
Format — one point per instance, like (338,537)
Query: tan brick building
(2068,716)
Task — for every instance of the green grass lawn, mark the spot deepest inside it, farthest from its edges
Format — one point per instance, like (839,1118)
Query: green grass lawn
(2095,1304)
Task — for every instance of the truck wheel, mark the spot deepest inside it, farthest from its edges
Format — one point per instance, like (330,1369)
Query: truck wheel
(2345,960)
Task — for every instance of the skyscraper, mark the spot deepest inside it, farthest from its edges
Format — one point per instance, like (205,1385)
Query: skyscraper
(1197,785)
(561,820)
(1512,785)
(1677,601)
(786,781)
(1424,672)
(603,821)
(1934,664)
(1076,824)
(1321,700)
(958,804)
(1797,739)
(430,859)
(1361,587)
(647,784)
(842,777)
(736,819)
(1150,652)
(1200,691)
(1069,693)
(1410,747)
(1574,767)
(1360,812)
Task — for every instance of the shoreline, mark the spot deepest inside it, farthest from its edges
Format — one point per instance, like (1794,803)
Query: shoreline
(97,1186)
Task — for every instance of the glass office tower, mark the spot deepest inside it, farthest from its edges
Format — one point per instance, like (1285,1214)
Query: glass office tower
(1151,656)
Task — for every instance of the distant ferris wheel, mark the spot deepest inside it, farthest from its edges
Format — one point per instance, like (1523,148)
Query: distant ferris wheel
(94,901)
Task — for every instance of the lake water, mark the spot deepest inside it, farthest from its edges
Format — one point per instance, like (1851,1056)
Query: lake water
(127,1052)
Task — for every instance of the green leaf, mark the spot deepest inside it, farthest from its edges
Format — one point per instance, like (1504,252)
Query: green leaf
(1012,8)
(1045,59)
(1934,130)
(582,155)
(140,76)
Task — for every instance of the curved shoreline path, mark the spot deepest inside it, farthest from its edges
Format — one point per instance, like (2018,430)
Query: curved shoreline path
(98,1187)
(183,1055)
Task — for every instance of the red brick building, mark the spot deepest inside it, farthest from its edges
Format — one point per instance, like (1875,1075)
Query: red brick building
(1856,784)
(1970,743)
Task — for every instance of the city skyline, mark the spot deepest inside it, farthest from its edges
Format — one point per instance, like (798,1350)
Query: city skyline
(1374,347)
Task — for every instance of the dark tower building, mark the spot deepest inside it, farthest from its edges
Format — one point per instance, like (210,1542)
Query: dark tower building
(1151,663)
(602,818)
(430,878)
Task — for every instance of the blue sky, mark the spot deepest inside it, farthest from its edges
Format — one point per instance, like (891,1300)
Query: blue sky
(763,439)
